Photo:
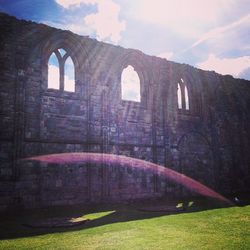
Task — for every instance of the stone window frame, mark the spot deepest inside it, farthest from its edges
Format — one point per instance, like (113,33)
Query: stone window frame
(194,96)
(140,78)
(184,88)
(60,91)
(141,71)
(123,86)
(61,63)
(66,41)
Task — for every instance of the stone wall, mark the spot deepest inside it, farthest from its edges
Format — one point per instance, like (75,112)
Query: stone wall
(43,184)
(209,142)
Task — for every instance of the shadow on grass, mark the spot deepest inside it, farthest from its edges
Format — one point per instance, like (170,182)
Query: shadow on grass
(14,225)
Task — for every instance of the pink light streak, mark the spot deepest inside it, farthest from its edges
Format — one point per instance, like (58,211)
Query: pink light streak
(120,160)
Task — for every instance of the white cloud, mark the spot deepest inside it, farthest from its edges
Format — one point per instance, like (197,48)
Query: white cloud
(69,84)
(232,66)
(166,55)
(69,75)
(53,77)
(105,23)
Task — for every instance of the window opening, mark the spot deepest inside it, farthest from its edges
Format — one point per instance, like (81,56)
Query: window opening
(62,52)
(69,75)
(186,98)
(61,71)
(53,72)
(179,98)
(182,96)
(130,85)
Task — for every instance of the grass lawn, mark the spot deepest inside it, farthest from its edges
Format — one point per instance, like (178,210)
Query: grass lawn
(128,228)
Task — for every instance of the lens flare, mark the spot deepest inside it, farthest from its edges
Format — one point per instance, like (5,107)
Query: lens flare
(120,160)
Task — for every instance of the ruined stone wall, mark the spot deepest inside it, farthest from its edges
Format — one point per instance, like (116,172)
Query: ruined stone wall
(209,142)
(43,185)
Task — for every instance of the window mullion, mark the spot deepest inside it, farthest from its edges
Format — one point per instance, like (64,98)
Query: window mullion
(183,101)
(61,64)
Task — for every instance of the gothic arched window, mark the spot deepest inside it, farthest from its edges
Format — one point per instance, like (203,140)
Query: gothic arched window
(186,98)
(130,85)
(179,98)
(182,96)
(61,71)
(53,72)
(69,75)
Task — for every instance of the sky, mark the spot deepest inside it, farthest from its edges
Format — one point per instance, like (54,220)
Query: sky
(207,34)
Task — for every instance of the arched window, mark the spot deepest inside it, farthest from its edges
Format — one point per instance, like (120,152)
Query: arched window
(186,98)
(182,96)
(179,98)
(130,85)
(53,72)
(69,75)
(61,71)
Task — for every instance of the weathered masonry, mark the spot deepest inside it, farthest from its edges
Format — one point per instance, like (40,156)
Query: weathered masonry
(193,121)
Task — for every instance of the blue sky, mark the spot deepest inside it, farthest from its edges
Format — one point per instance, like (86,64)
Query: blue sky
(212,35)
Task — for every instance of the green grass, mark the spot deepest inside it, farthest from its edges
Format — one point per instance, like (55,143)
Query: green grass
(128,228)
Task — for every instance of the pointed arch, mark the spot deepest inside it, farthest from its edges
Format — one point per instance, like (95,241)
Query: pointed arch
(61,71)
(62,52)
(186,98)
(130,85)
(53,72)
(179,96)
(69,75)
(182,96)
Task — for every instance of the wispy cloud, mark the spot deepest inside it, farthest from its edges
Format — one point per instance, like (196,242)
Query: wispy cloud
(220,30)
(74,3)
